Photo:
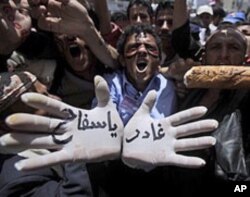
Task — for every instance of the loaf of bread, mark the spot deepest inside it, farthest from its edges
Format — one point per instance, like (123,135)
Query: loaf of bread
(220,76)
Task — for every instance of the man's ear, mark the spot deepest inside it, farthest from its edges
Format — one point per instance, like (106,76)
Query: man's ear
(122,60)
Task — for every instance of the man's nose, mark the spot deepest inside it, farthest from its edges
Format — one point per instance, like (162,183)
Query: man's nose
(142,49)
(138,19)
(165,26)
(224,53)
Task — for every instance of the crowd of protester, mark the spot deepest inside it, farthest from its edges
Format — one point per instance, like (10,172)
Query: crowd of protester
(58,48)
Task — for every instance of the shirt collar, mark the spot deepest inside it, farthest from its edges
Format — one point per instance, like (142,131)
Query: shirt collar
(129,88)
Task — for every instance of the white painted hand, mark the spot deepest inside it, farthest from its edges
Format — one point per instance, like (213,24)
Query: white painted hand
(149,142)
(76,134)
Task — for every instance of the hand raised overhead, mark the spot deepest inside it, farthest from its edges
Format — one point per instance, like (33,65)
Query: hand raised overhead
(62,16)
(149,142)
(76,134)
(71,17)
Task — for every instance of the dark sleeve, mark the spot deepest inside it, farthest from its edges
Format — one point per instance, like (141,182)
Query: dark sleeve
(76,181)
(44,182)
(39,45)
(3,62)
(183,42)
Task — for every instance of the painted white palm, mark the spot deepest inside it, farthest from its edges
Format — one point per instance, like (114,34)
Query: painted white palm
(75,134)
(149,142)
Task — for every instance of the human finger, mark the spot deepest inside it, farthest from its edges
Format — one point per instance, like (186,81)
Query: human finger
(54,8)
(198,143)
(51,24)
(147,103)
(186,161)
(46,103)
(31,122)
(47,160)
(196,127)
(15,141)
(101,91)
(186,115)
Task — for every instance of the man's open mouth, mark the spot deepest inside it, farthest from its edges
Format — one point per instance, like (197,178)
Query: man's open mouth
(74,50)
(142,66)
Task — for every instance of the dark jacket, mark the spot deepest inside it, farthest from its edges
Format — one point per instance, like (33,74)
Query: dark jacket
(230,158)
(47,182)
(227,164)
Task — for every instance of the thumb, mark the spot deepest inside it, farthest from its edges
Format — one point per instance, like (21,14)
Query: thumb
(101,91)
(148,102)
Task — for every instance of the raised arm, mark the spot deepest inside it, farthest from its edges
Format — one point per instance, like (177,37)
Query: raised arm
(101,8)
(71,17)
(180,15)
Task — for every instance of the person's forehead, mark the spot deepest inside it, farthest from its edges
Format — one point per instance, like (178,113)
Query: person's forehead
(141,37)
(205,15)
(138,8)
(165,12)
(227,34)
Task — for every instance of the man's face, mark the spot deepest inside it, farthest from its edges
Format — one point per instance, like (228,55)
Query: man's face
(139,14)
(206,19)
(164,26)
(76,52)
(225,47)
(141,58)
(15,19)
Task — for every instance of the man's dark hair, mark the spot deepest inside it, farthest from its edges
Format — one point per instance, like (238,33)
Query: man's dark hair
(118,16)
(163,6)
(143,3)
(231,28)
(218,11)
(137,29)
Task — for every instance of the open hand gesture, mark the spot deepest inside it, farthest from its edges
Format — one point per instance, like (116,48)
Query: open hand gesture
(148,142)
(61,16)
(76,134)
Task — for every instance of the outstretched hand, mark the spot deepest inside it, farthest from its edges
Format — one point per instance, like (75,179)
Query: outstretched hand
(71,17)
(76,134)
(148,142)
(61,16)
